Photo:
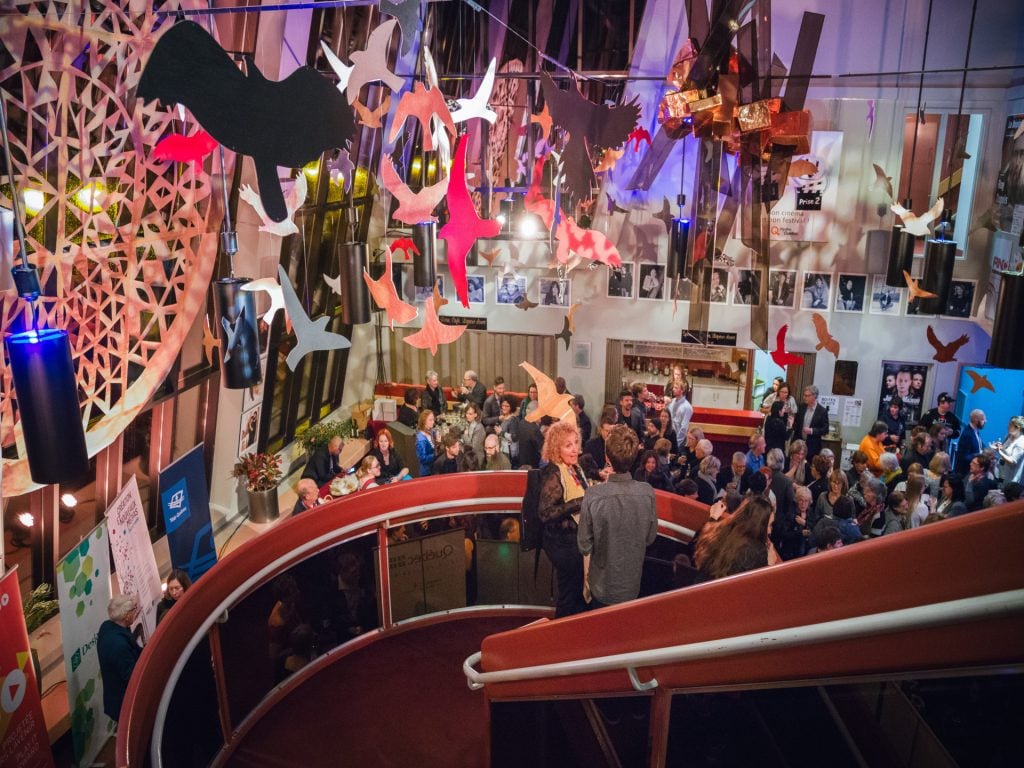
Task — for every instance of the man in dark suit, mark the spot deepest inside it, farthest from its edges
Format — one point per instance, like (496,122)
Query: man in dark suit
(472,391)
(582,420)
(118,652)
(407,413)
(811,422)
(492,405)
(970,444)
(323,465)
(785,534)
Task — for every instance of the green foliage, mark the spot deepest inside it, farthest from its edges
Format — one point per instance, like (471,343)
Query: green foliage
(321,433)
(39,606)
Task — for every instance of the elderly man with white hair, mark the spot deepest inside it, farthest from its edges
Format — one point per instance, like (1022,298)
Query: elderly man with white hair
(308,492)
(117,651)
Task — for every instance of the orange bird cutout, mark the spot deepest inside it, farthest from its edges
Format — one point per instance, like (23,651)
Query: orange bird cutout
(413,207)
(422,104)
(825,339)
(781,357)
(549,402)
(945,353)
(489,256)
(916,291)
(383,291)
(434,333)
(371,118)
(608,160)
(980,381)
(543,119)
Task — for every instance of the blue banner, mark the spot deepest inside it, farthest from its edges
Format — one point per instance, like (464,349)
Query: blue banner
(186,509)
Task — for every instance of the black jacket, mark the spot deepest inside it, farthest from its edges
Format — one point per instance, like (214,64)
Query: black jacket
(321,467)
(118,653)
(433,400)
(818,425)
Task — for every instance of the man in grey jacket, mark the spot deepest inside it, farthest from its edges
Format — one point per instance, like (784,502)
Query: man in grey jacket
(617,523)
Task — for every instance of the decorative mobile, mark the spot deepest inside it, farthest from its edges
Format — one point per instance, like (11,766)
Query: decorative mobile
(293,200)
(489,256)
(235,333)
(477,106)
(568,325)
(781,357)
(407,245)
(871,122)
(184,149)
(413,207)
(407,13)
(549,402)
(384,293)
(464,226)
(881,180)
(423,104)
(310,335)
(525,304)
(825,339)
(945,353)
(608,160)
(244,112)
(612,206)
(371,64)
(341,70)
(915,291)
(979,381)
(334,283)
(918,225)
(372,118)
(210,342)
(434,333)
(543,119)
(273,289)
(639,135)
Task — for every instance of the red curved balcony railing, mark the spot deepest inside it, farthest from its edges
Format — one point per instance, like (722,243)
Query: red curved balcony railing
(260,560)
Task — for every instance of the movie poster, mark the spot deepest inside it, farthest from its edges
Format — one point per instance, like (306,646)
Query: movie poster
(908,381)
(806,211)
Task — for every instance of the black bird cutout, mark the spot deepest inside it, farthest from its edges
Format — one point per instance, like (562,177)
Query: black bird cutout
(408,14)
(287,123)
(588,125)
(566,333)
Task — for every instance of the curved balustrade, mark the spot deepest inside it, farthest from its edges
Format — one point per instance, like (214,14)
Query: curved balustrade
(260,560)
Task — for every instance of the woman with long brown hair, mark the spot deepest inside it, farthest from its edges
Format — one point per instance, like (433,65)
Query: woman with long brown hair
(742,544)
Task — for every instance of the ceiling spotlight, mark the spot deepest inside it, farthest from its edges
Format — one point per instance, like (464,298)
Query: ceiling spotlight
(529,225)
(68,500)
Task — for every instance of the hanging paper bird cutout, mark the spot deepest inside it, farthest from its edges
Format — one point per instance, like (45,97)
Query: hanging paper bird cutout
(310,335)
(271,287)
(406,245)
(477,106)
(184,149)
(371,64)
(372,118)
(334,283)
(608,160)
(543,119)
(413,207)
(293,201)
(549,402)
(342,167)
(945,353)
(464,225)
(915,290)
(613,207)
(781,357)
(384,293)
(525,304)
(210,342)
(825,339)
(437,299)
(665,214)
(570,315)
(917,225)
(342,70)
(588,125)
(881,180)
(638,135)
(423,105)
(407,13)
(287,123)
(489,256)
(980,381)
(565,334)
(434,333)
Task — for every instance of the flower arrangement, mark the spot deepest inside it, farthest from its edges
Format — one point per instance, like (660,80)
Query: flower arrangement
(262,471)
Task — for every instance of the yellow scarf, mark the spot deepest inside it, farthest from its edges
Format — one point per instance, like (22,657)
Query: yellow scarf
(572,487)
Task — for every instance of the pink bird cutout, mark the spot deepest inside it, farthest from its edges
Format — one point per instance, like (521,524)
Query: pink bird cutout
(464,225)
(384,293)
(433,333)
(413,207)
(184,149)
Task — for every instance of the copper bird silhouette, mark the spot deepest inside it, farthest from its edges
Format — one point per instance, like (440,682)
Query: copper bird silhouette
(916,291)
(781,357)
(423,105)
(526,304)
(825,339)
(371,118)
(549,402)
(980,381)
(945,353)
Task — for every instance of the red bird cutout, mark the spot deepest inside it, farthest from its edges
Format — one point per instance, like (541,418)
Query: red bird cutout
(464,225)
(639,134)
(781,357)
(423,104)
(407,245)
(184,149)
(384,293)
(945,353)
(413,207)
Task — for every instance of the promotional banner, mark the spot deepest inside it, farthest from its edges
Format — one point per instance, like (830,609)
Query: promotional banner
(806,210)
(186,510)
(83,589)
(23,740)
(134,560)
(907,381)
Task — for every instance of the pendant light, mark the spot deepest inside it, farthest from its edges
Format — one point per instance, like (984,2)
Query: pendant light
(43,372)
(353,258)
(424,266)
(1006,350)
(678,244)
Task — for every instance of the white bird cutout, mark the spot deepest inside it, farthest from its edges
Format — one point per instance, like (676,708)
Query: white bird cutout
(917,225)
(293,200)
(334,283)
(371,63)
(477,106)
(438,132)
(342,70)
(271,287)
(310,335)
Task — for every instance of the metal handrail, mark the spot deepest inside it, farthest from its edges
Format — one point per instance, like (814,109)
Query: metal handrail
(996,605)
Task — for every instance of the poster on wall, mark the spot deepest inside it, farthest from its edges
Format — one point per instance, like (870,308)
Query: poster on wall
(83,591)
(186,511)
(23,739)
(908,381)
(1010,182)
(134,560)
(249,431)
(807,210)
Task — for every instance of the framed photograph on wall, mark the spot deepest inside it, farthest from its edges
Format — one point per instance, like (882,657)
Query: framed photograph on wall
(652,282)
(554,292)
(885,300)
(746,289)
(249,431)
(475,284)
(620,281)
(422,294)
(782,288)
(581,354)
(961,298)
(717,285)
(817,291)
(850,293)
(511,289)
(680,289)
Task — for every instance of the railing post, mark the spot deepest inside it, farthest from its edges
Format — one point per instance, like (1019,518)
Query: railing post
(661,708)
(384,598)
(223,704)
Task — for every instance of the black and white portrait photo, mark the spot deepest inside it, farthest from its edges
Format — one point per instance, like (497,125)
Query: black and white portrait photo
(817,289)
(554,292)
(476,289)
(782,288)
(652,281)
(961,298)
(885,300)
(511,290)
(747,288)
(850,293)
(620,282)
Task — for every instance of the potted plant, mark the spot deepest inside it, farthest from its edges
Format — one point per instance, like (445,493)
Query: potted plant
(262,474)
(321,433)
(38,608)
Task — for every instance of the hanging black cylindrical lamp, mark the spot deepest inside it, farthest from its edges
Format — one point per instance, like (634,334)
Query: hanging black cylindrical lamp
(1006,350)
(424,236)
(355,296)
(901,257)
(939,260)
(236,328)
(47,396)
(680,238)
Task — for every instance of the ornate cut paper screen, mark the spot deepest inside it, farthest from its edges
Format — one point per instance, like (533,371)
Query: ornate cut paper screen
(125,244)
